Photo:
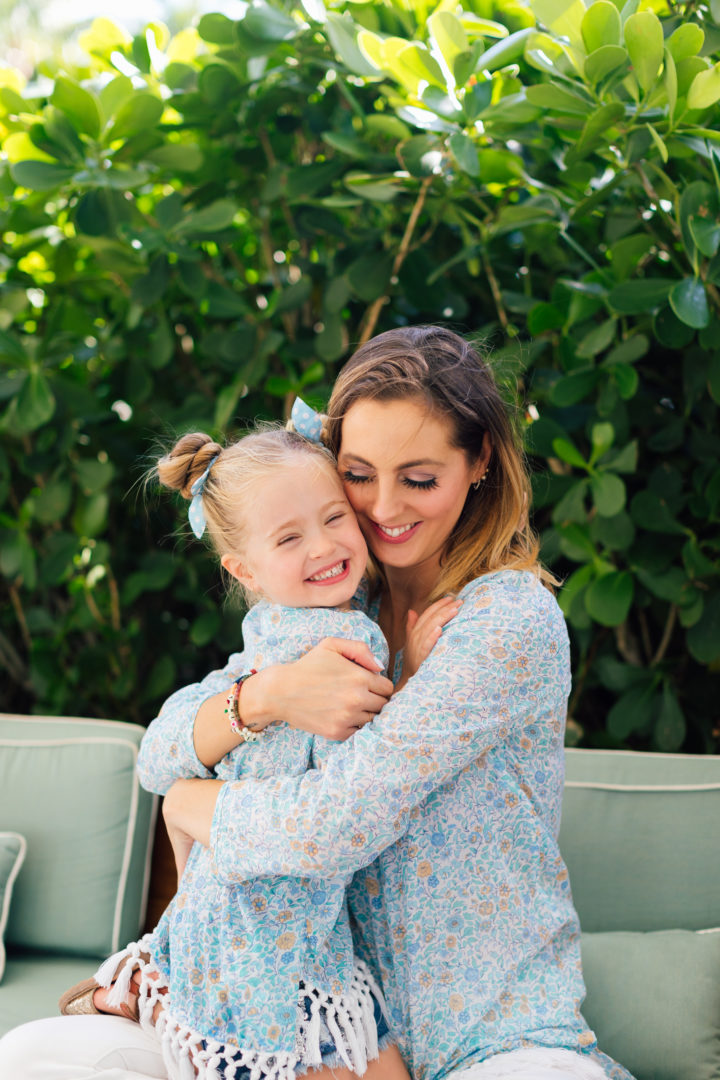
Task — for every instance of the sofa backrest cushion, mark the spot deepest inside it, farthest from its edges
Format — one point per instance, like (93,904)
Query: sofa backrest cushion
(653,1001)
(68,785)
(641,840)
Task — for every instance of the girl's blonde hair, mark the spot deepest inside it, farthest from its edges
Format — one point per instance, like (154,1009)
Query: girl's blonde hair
(446,374)
(227,494)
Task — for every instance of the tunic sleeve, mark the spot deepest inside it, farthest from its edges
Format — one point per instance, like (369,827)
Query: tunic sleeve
(501,664)
(167,751)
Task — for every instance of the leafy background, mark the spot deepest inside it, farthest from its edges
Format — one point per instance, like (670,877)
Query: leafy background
(197,226)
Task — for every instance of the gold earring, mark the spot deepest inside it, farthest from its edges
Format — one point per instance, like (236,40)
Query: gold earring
(482,480)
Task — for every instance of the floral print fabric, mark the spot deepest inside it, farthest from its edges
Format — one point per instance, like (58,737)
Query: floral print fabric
(447,809)
(234,954)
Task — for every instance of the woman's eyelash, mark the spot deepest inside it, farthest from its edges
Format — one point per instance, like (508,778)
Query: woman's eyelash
(422,485)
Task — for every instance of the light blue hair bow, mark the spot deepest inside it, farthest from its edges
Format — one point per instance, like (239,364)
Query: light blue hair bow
(306,421)
(196,513)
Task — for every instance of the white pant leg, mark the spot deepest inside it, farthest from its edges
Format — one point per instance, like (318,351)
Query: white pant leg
(80,1047)
(533,1064)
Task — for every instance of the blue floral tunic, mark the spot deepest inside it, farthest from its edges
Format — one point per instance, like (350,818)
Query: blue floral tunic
(447,809)
(234,955)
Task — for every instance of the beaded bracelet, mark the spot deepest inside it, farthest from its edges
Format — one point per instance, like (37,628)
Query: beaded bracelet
(236,724)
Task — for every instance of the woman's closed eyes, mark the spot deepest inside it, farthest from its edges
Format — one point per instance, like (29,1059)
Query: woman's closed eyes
(418,485)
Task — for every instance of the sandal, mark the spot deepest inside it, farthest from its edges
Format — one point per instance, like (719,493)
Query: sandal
(78,1000)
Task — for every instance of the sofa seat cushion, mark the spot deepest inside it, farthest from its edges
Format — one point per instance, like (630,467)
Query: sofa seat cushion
(33,984)
(653,1000)
(638,841)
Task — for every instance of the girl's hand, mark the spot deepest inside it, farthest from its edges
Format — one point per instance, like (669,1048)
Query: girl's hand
(423,631)
(333,690)
(188,810)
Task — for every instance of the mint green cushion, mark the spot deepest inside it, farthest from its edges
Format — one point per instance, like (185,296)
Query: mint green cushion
(653,1000)
(637,841)
(33,984)
(69,786)
(12,855)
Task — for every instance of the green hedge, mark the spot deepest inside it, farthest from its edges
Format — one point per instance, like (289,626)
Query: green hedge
(195,229)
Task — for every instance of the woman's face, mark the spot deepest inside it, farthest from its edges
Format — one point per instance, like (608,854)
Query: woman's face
(405,480)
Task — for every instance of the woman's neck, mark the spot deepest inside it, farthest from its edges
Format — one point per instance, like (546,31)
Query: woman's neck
(406,590)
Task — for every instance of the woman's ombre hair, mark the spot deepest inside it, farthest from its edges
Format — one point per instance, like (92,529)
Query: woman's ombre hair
(440,369)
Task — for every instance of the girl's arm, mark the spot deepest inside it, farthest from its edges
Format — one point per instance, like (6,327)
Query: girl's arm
(332,691)
(501,663)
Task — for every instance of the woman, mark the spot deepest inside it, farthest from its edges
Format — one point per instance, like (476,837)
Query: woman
(447,806)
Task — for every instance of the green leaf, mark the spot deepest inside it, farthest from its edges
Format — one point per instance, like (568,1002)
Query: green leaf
(507,51)
(544,317)
(634,711)
(208,219)
(114,93)
(465,152)
(137,114)
(703,639)
(204,628)
(563,17)
(615,533)
(217,29)
(52,502)
(40,175)
(670,82)
(604,61)
(608,493)
(268,23)
(705,89)
(595,131)
(342,34)
(627,380)
(574,587)
(449,35)
(659,143)
(376,188)
(650,511)
(601,25)
(558,99)
(628,351)
(571,508)
(602,436)
(93,475)
(688,300)
(686,40)
(422,155)
(625,461)
(567,451)
(706,235)
(573,388)
(80,106)
(416,61)
(669,331)
(597,339)
(185,157)
(609,597)
(637,297)
(670,724)
(645,43)
(35,402)
(90,517)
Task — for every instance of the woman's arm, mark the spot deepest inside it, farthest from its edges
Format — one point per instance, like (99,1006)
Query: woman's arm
(500,664)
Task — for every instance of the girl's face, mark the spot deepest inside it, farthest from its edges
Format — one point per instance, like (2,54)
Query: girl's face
(405,480)
(303,547)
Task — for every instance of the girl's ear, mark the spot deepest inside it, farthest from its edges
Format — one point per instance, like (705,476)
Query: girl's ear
(237,569)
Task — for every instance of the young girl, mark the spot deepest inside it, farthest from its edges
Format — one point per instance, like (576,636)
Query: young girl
(259,979)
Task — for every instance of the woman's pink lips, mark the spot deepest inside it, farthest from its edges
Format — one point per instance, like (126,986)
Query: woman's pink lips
(331,580)
(394,539)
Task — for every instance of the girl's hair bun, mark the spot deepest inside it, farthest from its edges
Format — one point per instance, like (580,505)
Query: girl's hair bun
(187,461)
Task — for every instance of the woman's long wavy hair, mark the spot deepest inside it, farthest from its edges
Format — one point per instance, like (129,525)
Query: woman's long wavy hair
(439,368)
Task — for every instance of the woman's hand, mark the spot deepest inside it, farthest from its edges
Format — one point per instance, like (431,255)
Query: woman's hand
(333,690)
(422,633)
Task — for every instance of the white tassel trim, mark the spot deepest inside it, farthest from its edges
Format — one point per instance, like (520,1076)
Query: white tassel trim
(348,1019)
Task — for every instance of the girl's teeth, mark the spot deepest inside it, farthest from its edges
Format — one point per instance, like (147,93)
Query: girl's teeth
(333,572)
(396,532)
